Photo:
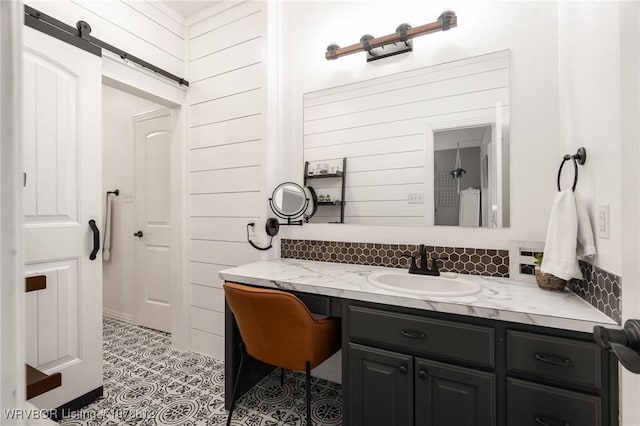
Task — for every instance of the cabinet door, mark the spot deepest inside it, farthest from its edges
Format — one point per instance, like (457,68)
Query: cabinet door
(447,395)
(380,387)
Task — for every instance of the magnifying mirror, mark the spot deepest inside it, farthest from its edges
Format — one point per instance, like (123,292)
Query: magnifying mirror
(313,203)
(289,201)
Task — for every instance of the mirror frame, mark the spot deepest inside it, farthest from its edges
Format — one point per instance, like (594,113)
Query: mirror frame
(290,217)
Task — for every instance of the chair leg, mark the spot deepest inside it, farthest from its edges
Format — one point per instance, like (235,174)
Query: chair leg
(281,377)
(235,386)
(308,371)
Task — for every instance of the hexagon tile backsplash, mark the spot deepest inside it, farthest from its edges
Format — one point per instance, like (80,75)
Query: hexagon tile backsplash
(473,261)
(600,288)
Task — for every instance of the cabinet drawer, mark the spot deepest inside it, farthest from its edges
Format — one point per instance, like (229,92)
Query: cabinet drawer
(455,341)
(530,404)
(554,358)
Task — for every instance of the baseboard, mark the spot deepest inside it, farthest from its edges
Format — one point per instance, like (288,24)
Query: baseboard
(117,315)
(66,410)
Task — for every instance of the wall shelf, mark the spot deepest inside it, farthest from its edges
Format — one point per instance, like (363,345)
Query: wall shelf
(327,175)
(337,175)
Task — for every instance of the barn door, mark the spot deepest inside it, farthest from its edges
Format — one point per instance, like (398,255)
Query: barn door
(62,164)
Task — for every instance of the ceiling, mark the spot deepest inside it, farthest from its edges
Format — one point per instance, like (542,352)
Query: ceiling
(188,8)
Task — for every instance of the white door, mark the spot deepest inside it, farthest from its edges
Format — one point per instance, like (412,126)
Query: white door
(61,151)
(153,138)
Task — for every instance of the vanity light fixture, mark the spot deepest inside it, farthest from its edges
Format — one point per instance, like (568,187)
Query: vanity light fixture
(393,44)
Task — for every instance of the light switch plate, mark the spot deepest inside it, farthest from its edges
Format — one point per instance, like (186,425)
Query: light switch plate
(127,197)
(416,198)
(603,222)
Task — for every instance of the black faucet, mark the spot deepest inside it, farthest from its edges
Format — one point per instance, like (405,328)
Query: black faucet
(423,269)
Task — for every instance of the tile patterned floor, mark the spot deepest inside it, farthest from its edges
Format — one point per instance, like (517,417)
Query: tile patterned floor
(146,382)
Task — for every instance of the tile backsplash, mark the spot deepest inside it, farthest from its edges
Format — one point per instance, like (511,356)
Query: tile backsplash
(601,289)
(472,261)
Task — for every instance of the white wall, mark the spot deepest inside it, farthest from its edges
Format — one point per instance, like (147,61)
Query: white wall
(118,172)
(590,112)
(630,135)
(227,155)
(12,295)
(528,29)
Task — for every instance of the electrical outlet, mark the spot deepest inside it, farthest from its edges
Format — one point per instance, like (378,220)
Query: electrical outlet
(603,221)
(416,198)
(127,197)
(252,232)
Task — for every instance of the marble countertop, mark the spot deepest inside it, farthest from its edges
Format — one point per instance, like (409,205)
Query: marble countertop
(499,298)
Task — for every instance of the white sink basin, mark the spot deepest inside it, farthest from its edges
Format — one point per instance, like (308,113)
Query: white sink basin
(449,285)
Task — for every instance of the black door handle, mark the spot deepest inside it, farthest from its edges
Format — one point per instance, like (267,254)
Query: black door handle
(423,374)
(403,370)
(96,239)
(138,234)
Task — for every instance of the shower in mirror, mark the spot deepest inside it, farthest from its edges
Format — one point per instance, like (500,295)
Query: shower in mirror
(466,178)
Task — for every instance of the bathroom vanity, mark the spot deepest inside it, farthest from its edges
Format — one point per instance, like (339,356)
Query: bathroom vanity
(511,354)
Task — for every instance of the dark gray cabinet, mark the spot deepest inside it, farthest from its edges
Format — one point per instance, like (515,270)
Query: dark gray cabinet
(443,394)
(380,387)
(447,395)
(412,368)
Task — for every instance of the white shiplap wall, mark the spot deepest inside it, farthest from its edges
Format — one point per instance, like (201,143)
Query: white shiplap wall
(380,125)
(143,28)
(226,155)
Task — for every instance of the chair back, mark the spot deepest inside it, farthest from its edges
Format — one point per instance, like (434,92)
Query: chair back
(276,327)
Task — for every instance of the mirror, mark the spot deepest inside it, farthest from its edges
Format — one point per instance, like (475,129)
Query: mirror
(391,137)
(290,201)
(465,178)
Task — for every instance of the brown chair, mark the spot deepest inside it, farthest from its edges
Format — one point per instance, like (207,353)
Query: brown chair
(278,329)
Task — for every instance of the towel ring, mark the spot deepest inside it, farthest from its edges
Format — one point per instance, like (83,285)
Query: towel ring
(578,158)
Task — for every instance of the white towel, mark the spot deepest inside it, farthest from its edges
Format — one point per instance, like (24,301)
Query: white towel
(586,243)
(469,210)
(569,235)
(106,245)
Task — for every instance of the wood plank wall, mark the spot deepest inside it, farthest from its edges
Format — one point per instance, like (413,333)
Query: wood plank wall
(226,156)
(380,124)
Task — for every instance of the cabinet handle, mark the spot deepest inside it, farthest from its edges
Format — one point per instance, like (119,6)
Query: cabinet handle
(413,334)
(403,370)
(554,360)
(423,374)
(550,421)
